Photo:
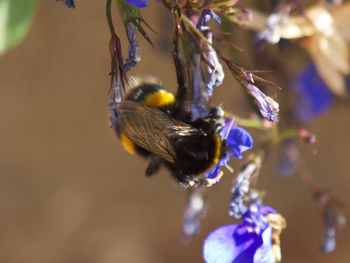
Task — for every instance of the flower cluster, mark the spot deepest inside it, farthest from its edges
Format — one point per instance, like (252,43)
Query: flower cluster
(255,239)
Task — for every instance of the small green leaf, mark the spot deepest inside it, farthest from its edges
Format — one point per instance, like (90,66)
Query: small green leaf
(16,16)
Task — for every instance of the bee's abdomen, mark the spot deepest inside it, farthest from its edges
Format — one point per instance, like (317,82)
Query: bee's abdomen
(151,95)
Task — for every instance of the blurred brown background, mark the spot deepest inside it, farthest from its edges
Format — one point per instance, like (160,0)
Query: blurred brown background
(70,193)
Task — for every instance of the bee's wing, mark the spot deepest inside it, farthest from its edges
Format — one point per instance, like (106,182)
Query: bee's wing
(151,128)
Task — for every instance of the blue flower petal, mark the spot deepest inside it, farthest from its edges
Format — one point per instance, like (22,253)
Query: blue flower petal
(219,245)
(329,244)
(233,243)
(205,17)
(239,141)
(137,3)
(214,172)
(313,95)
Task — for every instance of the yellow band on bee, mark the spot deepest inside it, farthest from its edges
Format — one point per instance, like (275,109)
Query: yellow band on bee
(129,146)
(215,160)
(218,148)
(159,99)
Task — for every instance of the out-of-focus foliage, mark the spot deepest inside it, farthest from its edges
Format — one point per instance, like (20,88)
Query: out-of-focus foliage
(16,16)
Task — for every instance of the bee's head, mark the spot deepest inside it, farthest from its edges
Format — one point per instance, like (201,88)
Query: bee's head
(216,117)
(216,113)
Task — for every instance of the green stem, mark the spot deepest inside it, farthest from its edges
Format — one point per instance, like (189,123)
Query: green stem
(109,17)
(287,134)
(250,123)
(245,122)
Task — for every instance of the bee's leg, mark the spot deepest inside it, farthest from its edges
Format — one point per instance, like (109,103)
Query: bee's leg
(154,165)
(210,182)
(190,181)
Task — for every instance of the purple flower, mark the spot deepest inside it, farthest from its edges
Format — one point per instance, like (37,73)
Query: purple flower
(194,211)
(205,17)
(215,172)
(137,3)
(113,117)
(69,3)
(268,107)
(238,141)
(241,189)
(134,49)
(313,95)
(250,241)
(334,222)
(215,70)
(203,91)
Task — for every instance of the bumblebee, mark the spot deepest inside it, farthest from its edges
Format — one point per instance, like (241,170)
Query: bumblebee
(157,125)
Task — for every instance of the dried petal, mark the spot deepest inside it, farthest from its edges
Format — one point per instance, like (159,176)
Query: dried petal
(134,49)
(268,107)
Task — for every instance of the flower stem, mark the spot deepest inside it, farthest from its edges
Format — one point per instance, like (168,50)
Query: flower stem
(250,123)
(109,17)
